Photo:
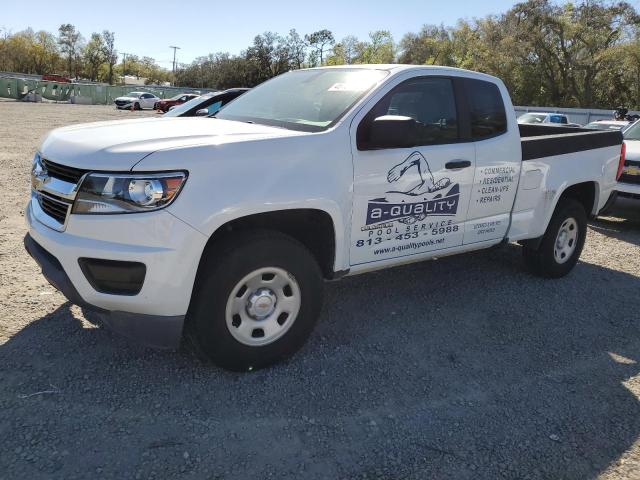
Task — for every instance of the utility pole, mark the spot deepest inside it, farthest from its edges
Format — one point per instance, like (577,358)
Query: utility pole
(174,63)
(124,66)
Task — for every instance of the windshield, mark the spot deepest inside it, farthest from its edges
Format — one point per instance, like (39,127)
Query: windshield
(306,100)
(186,106)
(603,126)
(532,118)
(133,94)
(633,132)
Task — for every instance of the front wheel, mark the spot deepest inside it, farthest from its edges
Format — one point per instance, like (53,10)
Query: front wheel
(256,301)
(562,243)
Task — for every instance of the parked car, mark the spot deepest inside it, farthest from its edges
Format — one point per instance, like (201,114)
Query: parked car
(541,118)
(315,174)
(205,105)
(607,125)
(136,100)
(53,77)
(629,183)
(165,105)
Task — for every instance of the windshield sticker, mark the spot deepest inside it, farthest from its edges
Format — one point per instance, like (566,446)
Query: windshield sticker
(353,86)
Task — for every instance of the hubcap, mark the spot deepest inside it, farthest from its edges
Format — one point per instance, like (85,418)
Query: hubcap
(566,241)
(263,306)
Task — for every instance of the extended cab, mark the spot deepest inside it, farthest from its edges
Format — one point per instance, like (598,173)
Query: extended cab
(227,226)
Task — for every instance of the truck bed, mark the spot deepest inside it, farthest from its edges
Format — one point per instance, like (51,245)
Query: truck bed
(540,141)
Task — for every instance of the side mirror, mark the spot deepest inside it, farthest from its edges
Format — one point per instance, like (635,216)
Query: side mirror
(203,112)
(389,131)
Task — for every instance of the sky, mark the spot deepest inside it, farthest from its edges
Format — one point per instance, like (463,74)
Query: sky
(201,27)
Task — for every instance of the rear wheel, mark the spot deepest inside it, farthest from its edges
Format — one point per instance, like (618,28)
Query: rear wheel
(257,300)
(562,243)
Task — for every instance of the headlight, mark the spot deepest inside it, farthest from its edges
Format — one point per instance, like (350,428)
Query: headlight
(104,193)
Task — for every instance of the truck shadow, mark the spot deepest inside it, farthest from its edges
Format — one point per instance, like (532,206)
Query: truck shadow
(465,367)
(622,222)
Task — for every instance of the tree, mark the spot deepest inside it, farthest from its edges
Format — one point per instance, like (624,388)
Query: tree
(93,55)
(431,46)
(345,52)
(110,53)
(70,40)
(319,41)
(44,53)
(297,48)
(269,55)
(380,49)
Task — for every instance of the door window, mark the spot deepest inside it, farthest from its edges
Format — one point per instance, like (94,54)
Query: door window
(430,102)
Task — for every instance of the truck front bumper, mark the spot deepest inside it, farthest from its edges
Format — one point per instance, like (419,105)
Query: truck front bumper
(153,330)
(169,249)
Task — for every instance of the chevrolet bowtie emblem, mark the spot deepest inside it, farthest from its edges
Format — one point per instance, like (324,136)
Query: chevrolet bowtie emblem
(39,174)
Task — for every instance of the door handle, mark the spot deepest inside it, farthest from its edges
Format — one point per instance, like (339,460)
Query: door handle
(456,164)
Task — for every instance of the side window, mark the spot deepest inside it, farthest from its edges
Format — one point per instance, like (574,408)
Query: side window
(430,102)
(488,117)
(214,107)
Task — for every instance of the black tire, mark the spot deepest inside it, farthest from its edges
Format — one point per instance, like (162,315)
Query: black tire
(137,106)
(543,260)
(223,267)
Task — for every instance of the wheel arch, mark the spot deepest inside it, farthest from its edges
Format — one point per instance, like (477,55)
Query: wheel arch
(316,229)
(586,193)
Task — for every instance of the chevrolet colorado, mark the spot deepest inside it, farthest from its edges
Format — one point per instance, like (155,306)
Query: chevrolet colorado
(226,227)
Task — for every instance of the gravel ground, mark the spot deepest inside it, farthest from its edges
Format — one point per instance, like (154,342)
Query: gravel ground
(465,368)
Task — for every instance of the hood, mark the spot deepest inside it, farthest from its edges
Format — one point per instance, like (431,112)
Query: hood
(127,98)
(633,150)
(119,145)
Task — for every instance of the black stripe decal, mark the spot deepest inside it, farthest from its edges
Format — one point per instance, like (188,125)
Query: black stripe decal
(540,143)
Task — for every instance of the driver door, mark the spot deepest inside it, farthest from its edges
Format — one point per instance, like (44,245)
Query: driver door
(412,201)
(147,100)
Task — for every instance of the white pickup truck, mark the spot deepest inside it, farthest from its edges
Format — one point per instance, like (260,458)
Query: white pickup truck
(227,226)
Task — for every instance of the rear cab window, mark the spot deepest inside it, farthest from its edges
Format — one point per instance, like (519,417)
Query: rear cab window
(486,109)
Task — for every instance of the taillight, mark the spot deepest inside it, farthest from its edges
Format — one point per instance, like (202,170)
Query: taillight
(623,154)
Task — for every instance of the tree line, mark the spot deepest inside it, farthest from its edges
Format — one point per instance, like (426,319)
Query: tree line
(572,54)
(69,53)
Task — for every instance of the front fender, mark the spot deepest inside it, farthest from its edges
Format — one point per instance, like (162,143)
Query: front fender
(241,177)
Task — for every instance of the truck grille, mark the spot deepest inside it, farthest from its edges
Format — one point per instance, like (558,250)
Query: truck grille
(63,172)
(55,207)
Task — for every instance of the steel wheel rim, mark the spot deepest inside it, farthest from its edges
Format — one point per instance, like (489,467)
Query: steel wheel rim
(263,306)
(566,241)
